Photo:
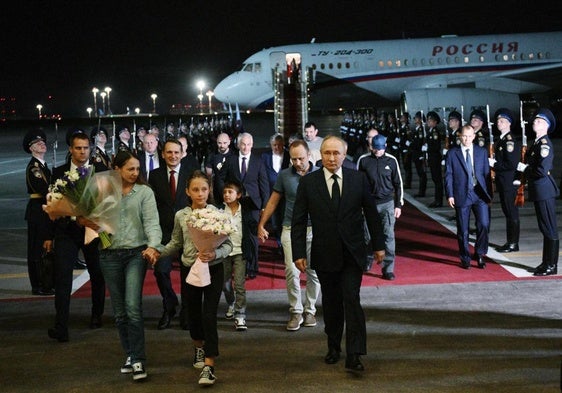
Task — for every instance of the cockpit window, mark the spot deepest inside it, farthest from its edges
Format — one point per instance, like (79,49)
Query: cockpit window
(257,67)
(248,67)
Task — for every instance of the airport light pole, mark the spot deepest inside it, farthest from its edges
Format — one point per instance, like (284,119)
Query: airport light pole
(89,110)
(200,96)
(210,94)
(95,91)
(137,110)
(153,96)
(108,90)
(102,95)
(39,107)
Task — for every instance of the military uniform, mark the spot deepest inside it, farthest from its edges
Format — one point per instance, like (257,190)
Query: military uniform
(406,141)
(99,156)
(507,153)
(543,191)
(419,156)
(37,178)
(434,157)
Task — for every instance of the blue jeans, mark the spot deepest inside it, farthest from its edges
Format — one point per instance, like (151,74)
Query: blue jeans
(124,272)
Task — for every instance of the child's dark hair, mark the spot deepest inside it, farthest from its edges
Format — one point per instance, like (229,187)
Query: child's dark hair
(198,174)
(235,185)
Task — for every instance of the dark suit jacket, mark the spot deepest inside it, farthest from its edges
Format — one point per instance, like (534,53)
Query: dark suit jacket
(167,207)
(142,161)
(333,229)
(456,175)
(267,159)
(255,182)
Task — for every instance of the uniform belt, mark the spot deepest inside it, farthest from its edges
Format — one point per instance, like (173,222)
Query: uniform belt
(36,196)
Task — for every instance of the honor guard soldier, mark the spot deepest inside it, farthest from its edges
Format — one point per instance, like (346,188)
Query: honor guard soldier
(124,139)
(453,130)
(543,189)
(141,132)
(406,140)
(37,178)
(99,156)
(393,137)
(478,122)
(434,156)
(419,152)
(504,163)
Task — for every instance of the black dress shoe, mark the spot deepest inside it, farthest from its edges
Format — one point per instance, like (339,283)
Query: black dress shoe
(480,261)
(58,335)
(42,292)
(388,276)
(95,322)
(465,265)
(508,247)
(332,356)
(545,270)
(353,363)
(165,321)
(79,264)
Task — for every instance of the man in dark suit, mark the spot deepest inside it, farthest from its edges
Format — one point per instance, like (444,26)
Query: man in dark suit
(274,161)
(339,250)
(150,152)
(249,170)
(68,235)
(170,197)
(467,173)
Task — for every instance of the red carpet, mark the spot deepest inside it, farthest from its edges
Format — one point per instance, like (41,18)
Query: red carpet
(427,253)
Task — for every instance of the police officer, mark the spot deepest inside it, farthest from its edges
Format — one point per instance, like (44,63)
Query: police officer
(98,136)
(38,178)
(543,190)
(406,140)
(434,156)
(480,125)
(383,172)
(504,163)
(419,152)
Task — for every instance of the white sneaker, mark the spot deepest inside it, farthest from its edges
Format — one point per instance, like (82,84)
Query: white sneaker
(295,322)
(229,314)
(127,367)
(240,323)
(207,376)
(199,358)
(138,371)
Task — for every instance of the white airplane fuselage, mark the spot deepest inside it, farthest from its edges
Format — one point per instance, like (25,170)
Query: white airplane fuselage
(508,64)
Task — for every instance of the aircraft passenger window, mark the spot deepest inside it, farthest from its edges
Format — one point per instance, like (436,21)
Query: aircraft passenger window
(531,56)
(381,63)
(422,62)
(457,60)
(448,60)
(398,63)
(322,66)
(330,66)
(257,67)
(389,63)
(314,66)
(539,55)
(440,60)
(339,66)
(466,60)
(248,68)
(405,62)
(481,58)
(347,65)
(414,62)
(431,61)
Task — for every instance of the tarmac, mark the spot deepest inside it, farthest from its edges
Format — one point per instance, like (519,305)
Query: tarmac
(474,337)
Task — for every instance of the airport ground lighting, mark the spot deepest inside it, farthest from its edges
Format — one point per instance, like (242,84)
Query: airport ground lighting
(95,91)
(210,94)
(137,110)
(39,107)
(153,96)
(89,110)
(102,95)
(108,91)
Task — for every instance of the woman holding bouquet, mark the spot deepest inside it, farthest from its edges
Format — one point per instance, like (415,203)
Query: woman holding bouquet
(123,263)
(202,301)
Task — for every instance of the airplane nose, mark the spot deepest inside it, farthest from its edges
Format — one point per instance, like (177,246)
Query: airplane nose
(222,89)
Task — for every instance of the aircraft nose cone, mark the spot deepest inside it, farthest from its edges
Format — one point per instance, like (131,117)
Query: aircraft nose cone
(221,90)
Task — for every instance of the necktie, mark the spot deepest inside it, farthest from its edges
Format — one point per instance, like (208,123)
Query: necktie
(243,170)
(469,168)
(335,191)
(151,162)
(173,184)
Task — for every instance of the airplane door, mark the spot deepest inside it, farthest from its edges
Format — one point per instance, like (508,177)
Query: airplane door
(278,61)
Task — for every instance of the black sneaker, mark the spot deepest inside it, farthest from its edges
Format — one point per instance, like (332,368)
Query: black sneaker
(138,371)
(199,358)
(207,376)
(127,367)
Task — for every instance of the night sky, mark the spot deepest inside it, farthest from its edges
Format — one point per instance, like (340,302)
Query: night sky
(63,49)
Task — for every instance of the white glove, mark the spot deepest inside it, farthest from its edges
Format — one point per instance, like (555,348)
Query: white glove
(521,167)
(492,162)
(445,151)
(442,162)
(424,147)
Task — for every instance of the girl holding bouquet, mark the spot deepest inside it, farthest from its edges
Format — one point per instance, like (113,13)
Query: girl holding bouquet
(123,264)
(202,301)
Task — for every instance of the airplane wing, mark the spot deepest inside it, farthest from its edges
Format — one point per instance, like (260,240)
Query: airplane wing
(549,76)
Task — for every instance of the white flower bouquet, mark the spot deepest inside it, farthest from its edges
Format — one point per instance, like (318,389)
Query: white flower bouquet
(80,192)
(208,228)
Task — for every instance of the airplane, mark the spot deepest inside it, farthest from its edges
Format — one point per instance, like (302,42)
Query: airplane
(417,74)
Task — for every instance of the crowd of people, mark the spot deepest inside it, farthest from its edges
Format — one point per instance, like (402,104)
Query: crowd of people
(331,203)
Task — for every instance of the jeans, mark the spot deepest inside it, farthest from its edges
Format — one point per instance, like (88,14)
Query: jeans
(292,276)
(235,293)
(386,214)
(124,272)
